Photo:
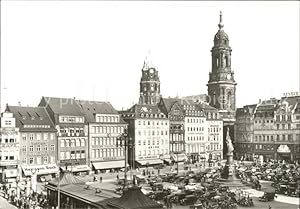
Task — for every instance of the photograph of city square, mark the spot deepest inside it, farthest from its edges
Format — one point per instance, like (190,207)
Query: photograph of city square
(149,105)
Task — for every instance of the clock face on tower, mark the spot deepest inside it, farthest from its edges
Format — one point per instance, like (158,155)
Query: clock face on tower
(228,76)
(151,71)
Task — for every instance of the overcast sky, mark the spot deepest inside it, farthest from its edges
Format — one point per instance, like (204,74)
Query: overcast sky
(95,50)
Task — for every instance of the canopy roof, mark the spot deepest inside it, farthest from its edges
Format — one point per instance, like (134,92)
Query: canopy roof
(133,198)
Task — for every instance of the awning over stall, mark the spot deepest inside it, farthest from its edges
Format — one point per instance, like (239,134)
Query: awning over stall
(77,168)
(149,162)
(181,157)
(109,164)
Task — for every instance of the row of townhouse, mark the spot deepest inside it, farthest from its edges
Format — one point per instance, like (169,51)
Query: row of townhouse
(170,129)
(85,135)
(60,134)
(269,130)
(173,130)
(80,136)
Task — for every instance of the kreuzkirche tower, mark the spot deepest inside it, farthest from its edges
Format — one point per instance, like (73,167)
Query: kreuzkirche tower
(221,84)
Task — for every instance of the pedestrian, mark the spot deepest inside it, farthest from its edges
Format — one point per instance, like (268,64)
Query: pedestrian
(170,204)
(100,179)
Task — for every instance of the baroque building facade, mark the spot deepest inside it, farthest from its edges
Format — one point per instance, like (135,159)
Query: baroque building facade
(148,125)
(269,130)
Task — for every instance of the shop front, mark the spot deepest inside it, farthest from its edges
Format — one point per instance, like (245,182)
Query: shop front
(284,153)
(8,173)
(108,166)
(77,169)
(41,171)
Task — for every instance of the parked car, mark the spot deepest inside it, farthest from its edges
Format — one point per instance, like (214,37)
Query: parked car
(268,196)
(188,200)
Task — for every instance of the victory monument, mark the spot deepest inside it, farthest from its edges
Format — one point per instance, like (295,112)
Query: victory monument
(228,174)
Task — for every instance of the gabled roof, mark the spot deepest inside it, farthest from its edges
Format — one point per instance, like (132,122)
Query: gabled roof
(288,103)
(90,108)
(133,198)
(35,116)
(169,103)
(62,106)
(247,110)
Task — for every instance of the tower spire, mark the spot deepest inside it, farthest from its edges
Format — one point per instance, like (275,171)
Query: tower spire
(221,25)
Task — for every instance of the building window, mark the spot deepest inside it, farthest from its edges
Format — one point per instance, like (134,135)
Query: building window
(38,160)
(52,147)
(46,159)
(31,160)
(24,137)
(46,147)
(83,142)
(38,136)
(24,161)
(38,148)
(31,148)
(72,142)
(24,148)
(62,143)
(51,136)
(31,136)
(67,155)
(45,136)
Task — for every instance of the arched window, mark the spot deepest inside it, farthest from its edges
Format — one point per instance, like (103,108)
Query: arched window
(229,100)
(217,61)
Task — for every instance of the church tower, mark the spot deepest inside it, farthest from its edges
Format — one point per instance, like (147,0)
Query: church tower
(150,84)
(221,84)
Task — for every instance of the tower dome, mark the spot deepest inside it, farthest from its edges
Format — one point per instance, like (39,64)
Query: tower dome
(221,38)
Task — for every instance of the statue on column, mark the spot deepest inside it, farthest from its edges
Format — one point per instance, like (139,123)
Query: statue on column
(229,144)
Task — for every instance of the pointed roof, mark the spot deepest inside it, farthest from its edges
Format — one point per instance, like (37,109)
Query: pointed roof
(65,179)
(133,198)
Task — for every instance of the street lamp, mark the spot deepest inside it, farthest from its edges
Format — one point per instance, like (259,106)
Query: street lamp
(124,138)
